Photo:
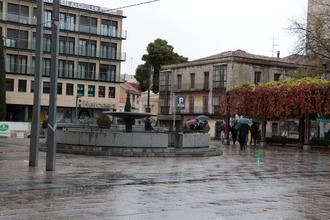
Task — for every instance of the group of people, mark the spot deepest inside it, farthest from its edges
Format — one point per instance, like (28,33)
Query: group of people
(240,132)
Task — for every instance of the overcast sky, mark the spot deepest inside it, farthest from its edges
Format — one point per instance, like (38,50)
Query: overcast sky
(201,28)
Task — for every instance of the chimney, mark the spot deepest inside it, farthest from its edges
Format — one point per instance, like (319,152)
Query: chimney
(278,54)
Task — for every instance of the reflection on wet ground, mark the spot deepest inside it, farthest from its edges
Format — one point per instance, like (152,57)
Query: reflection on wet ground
(259,183)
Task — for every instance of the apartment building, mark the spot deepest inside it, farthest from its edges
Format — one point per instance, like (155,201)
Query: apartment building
(198,87)
(90,57)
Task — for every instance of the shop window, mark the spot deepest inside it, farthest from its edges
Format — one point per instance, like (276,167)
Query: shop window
(91,91)
(112,92)
(9,84)
(69,89)
(22,85)
(80,90)
(102,91)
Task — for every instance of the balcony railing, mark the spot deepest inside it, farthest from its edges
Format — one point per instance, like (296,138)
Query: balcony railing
(183,87)
(31,45)
(195,110)
(64,26)
(17,18)
(165,110)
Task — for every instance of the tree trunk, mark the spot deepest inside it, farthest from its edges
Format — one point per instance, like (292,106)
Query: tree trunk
(263,129)
(301,129)
(307,130)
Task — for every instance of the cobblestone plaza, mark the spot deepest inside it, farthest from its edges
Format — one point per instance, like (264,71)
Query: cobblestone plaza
(259,183)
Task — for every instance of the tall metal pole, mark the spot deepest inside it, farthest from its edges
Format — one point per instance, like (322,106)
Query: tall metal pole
(150,78)
(51,140)
(35,127)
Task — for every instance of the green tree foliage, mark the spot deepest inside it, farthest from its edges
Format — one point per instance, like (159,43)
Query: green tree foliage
(306,71)
(159,53)
(2,82)
(128,105)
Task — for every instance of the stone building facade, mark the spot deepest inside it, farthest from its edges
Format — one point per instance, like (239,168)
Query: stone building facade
(202,83)
(90,57)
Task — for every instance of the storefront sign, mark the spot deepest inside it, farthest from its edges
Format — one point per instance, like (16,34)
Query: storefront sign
(87,104)
(84,6)
(5,129)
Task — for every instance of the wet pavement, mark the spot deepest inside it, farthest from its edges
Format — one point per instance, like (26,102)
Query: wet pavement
(259,183)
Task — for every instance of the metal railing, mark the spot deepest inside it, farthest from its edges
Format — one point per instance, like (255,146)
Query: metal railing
(192,87)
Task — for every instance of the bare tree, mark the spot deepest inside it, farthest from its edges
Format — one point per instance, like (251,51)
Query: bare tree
(314,32)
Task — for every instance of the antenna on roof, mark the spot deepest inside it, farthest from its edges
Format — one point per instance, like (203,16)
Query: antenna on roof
(274,45)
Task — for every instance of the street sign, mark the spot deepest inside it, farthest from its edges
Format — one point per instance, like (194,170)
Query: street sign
(5,129)
(180,102)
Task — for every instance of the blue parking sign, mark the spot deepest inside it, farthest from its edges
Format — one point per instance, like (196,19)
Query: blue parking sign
(180,102)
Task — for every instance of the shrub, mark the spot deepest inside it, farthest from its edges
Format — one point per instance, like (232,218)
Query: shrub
(104,121)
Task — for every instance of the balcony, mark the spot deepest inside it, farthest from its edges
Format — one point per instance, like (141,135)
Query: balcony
(187,87)
(196,110)
(113,33)
(17,43)
(164,110)
(17,18)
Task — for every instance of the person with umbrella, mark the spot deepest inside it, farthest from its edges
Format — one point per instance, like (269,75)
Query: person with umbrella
(234,131)
(243,129)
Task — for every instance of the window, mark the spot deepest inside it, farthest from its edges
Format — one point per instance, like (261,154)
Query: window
(112,92)
(164,81)
(66,45)
(102,91)
(91,91)
(18,13)
(179,81)
(17,39)
(16,64)
(86,71)
(277,76)
(47,18)
(108,73)
(257,77)
(191,104)
(108,50)
(47,42)
(65,68)
(46,67)
(69,89)
(109,28)
(205,104)
(32,87)
(87,48)
(88,24)
(206,80)
(220,76)
(46,88)
(9,84)
(67,21)
(192,80)
(80,90)
(59,88)
(21,85)
(216,103)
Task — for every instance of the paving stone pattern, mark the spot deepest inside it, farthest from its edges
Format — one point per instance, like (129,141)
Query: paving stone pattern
(259,183)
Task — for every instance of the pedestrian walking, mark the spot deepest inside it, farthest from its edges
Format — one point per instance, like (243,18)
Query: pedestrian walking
(234,134)
(254,132)
(243,131)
